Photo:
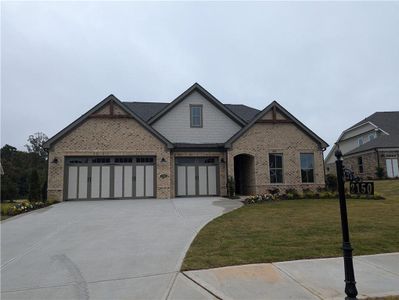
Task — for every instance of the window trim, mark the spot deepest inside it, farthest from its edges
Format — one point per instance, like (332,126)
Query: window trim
(200,106)
(282,167)
(300,168)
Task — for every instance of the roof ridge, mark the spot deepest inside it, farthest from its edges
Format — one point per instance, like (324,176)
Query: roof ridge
(145,102)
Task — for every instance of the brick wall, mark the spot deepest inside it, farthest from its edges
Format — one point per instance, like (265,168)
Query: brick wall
(264,138)
(107,136)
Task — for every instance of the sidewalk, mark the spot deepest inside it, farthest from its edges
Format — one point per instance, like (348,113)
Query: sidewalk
(376,275)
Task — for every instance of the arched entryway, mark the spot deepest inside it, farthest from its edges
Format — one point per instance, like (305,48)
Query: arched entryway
(244,174)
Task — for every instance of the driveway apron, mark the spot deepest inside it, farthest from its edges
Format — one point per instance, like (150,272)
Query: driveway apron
(113,249)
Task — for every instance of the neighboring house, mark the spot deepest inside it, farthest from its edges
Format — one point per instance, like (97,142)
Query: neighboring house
(370,143)
(187,147)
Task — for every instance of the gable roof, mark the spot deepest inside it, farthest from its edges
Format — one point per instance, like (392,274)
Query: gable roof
(387,121)
(208,96)
(110,98)
(268,108)
(146,110)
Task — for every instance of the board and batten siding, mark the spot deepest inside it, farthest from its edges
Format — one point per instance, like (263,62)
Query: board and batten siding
(175,124)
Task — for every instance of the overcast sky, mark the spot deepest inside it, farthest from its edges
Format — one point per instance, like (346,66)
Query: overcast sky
(330,64)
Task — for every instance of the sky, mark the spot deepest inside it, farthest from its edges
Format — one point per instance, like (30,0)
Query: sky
(330,64)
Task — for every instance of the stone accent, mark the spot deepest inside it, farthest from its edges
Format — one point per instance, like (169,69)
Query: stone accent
(286,138)
(107,136)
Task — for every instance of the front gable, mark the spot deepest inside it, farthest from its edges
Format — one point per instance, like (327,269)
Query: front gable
(110,109)
(218,123)
(277,115)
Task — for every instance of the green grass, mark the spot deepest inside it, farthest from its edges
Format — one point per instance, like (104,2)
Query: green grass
(297,229)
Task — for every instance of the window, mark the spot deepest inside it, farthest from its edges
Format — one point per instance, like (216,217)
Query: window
(360,164)
(372,136)
(123,159)
(101,160)
(196,115)
(276,167)
(360,141)
(307,167)
(144,159)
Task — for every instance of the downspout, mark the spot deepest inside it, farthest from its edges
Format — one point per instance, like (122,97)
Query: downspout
(378,158)
(324,164)
(227,170)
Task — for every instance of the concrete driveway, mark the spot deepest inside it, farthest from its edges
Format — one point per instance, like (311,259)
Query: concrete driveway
(114,249)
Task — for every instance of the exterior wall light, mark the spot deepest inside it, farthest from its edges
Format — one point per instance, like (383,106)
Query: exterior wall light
(163,160)
(55,161)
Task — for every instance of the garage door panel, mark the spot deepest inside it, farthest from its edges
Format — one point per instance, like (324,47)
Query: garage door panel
(118,183)
(72,182)
(212,180)
(83,172)
(181,181)
(149,181)
(106,177)
(202,181)
(191,184)
(105,181)
(95,182)
(139,181)
(128,181)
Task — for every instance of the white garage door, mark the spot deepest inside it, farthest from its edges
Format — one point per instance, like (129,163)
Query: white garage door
(110,177)
(196,176)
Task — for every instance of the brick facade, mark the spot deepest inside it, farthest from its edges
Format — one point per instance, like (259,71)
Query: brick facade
(108,136)
(264,138)
(370,159)
(110,131)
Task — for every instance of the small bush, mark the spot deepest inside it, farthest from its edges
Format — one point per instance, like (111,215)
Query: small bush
(293,192)
(34,186)
(307,193)
(260,198)
(231,187)
(379,172)
(331,182)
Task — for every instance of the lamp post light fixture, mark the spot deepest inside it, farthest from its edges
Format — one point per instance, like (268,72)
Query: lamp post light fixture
(350,283)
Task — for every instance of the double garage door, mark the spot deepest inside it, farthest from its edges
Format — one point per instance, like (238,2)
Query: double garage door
(109,177)
(197,176)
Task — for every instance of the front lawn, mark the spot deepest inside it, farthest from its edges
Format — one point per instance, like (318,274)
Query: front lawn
(297,229)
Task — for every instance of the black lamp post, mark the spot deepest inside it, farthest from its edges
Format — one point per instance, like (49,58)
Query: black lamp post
(350,283)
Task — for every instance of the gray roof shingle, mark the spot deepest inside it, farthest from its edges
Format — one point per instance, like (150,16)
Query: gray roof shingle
(146,110)
(387,121)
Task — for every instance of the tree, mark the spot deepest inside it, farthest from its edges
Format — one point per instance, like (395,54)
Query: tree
(36,142)
(34,186)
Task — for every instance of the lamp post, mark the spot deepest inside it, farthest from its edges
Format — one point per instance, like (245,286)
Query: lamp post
(350,283)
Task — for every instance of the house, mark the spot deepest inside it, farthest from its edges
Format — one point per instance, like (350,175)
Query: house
(188,147)
(370,144)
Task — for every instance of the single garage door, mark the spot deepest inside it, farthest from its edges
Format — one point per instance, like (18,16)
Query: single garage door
(109,177)
(197,176)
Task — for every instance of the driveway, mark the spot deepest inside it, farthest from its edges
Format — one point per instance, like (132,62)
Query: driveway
(114,249)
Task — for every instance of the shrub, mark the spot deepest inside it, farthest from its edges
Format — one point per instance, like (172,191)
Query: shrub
(293,192)
(379,172)
(307,193)
(331,182)
(231,187)
(260,198)
(34,186)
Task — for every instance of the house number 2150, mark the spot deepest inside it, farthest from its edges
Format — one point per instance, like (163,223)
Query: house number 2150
(363,188)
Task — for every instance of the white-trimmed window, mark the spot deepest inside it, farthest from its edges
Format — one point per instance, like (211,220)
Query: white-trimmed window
(360,141)
(307,167)
(196,115)
(276,167)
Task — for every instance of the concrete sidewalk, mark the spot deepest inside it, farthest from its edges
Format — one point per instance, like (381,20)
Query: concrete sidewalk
(376,275)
